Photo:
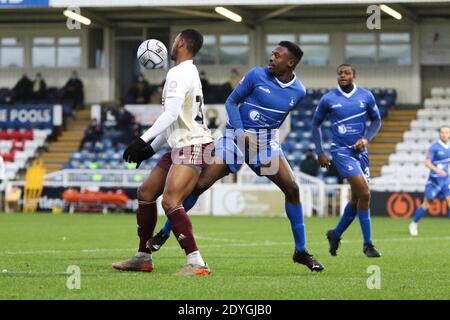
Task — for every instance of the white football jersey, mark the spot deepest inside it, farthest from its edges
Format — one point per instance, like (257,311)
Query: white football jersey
(183,81)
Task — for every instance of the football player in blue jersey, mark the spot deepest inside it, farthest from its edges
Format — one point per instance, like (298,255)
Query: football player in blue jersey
(256,108)
(348,107)
(438,184)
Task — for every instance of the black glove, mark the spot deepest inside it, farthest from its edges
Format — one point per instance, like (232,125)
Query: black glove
(137,152)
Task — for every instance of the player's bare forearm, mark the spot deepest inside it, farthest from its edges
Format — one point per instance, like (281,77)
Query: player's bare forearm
(430,166)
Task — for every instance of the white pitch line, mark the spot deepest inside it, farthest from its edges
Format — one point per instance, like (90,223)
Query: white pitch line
(232,243)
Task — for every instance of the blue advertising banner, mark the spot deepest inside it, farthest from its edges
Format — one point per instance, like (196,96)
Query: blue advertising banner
(23,3)
(24,116)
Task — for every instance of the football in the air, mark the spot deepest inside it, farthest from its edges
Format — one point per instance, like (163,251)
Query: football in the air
(152,54)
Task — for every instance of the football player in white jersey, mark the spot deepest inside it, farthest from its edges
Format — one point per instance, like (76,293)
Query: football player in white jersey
(182,126)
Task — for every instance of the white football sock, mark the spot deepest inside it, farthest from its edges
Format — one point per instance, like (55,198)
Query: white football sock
(144,255)
(195,258)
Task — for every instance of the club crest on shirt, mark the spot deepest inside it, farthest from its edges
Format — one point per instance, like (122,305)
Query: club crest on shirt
(292,103)
(362,105)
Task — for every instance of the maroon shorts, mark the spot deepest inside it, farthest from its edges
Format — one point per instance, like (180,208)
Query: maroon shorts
(199,155)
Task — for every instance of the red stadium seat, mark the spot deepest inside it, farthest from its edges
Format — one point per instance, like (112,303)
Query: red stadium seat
(27,135)
(16,135)
(4,135)
(8,157)
(18,145)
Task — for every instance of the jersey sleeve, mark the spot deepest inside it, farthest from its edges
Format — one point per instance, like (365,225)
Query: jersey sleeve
(301,95)
(430,155)
(321,111)
(177,84)
(247,84)
(372,108)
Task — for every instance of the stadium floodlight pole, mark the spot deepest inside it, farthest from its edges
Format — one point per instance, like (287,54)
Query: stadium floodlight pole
(397,15)
(77,17)
(228,14)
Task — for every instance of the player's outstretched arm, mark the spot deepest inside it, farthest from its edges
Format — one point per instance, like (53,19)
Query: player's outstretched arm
(318,118)
(375,119)
(232,107)
(429,164)
(158,142)
(138,150)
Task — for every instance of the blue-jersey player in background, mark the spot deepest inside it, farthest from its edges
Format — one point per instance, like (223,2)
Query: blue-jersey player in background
(348,107)
(256,108)
(438,184)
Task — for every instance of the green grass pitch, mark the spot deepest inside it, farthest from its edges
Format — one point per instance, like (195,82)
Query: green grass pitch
(250,259)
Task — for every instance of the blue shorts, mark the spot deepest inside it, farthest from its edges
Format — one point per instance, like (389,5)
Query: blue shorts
(437,188)
(234,154)
(350,163)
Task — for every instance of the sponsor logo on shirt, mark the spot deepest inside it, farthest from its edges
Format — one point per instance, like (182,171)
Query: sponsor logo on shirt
(336,106)
(254,115)
(342,129)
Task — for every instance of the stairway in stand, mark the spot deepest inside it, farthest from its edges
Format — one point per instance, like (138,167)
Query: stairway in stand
(397,122)
(68,142)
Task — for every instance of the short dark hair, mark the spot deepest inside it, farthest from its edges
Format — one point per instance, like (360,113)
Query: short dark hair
(347,65)
(293,49)
(444,126)
(194,40)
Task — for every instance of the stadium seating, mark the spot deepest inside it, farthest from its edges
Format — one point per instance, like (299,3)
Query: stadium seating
(406,169)
(17,147)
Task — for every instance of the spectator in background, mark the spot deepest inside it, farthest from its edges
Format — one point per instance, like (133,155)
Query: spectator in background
(39,88)
(204,81)
(22,89)
(309,165)
(211,116)
(123,118)
(141,78)
(93,133)
(139,93)
(156,97)
(235,78)
(73,90)
(133,132)
(332,172)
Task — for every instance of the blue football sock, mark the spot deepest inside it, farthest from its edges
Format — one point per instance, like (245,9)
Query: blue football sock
(295,215)
(366,226)
(346,219)
(188,203)
(420,212)
(167,228)
(448,212)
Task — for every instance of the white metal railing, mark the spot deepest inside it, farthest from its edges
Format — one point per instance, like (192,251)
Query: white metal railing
(317,197)
(101,178)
